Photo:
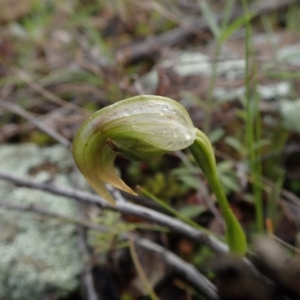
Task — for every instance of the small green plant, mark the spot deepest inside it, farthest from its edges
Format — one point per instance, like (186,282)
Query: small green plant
(141,128)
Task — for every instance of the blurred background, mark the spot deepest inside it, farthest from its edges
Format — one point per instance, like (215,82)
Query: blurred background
(234,65)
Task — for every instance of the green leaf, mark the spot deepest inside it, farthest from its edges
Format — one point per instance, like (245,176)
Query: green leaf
(192,211)
(235,144)
(216,135)
(210,18)
(235,25)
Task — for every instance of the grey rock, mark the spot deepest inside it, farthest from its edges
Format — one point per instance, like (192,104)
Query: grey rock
(38,256)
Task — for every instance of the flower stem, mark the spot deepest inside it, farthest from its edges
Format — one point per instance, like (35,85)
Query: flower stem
(204,156)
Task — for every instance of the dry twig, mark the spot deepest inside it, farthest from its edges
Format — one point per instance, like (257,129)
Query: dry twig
(189,272)
(140,270)
(24,76)
(124,208)
(150,47)
(23,113)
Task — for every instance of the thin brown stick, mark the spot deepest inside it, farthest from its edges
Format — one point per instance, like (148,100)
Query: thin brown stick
(30,208)
(140,270)
(150,47)
(189,272)
(87,277)
(28,116)
(124,208)
(24,76)
(186,270)
(170,16)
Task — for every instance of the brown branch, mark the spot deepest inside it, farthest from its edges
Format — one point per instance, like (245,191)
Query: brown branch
(140,270)
(25,76)
(150,47)
(28,116)
(30,208)
(188,271)
(87,277)
(124,208)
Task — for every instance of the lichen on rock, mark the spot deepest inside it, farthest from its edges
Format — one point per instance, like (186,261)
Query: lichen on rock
(38,256)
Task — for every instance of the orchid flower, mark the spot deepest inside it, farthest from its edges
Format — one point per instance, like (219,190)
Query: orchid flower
(141,128)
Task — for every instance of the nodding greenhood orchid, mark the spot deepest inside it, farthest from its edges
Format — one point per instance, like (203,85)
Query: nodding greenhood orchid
(141,128)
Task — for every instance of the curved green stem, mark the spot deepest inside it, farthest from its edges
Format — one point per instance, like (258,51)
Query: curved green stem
(204,156)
